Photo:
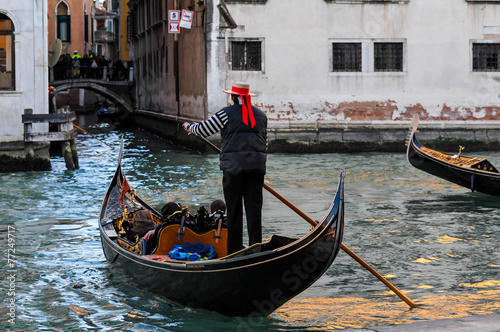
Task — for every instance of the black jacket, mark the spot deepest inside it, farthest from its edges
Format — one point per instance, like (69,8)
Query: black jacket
(243,148)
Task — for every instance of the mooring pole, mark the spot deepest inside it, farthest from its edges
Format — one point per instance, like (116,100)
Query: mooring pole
(68,147)
(28,146)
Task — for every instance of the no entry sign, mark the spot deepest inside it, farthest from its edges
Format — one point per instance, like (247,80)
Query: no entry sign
(186,19)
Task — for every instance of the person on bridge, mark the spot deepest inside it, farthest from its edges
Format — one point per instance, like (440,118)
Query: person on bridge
(243,159)
(85,66)
(75,55)
(118,70)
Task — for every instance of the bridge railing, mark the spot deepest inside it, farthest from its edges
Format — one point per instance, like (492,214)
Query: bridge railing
(102,73)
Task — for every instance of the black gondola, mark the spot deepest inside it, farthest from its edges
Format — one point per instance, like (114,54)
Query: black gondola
(477,174)
(254,281)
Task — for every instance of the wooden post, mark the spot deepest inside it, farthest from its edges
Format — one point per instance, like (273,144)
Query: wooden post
(28,146)
(66,145)
(72,144)
(66,134)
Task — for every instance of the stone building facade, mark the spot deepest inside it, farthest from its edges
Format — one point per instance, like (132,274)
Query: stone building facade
(326,71)
(72,21)
(23,72)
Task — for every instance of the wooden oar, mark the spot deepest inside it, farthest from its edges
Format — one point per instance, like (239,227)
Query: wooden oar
(313,223)
(74,125)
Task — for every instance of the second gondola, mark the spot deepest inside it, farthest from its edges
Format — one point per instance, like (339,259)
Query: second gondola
(477,174)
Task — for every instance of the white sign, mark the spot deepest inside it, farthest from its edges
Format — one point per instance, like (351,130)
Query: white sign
(173,27)
(174,15)
(186,19)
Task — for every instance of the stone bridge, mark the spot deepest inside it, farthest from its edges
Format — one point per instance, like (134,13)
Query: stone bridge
(121,93)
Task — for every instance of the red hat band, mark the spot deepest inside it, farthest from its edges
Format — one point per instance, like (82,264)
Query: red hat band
(246,109)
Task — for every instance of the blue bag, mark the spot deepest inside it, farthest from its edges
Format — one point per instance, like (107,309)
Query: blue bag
(192,252)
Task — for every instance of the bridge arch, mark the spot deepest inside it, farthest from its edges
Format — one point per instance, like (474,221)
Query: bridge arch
(120,98)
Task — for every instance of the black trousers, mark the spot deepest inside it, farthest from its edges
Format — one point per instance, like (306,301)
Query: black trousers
(238,188)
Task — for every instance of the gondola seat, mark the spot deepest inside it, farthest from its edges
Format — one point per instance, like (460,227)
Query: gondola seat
(167,235)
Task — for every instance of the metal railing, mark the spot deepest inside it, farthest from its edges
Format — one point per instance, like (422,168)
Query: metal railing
(104,35)
(88,72)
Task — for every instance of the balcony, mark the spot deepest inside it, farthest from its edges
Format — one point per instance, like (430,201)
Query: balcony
(104,36)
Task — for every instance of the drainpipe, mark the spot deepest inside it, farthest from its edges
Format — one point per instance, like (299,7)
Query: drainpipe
(226,55)
(176,65)
(230,24)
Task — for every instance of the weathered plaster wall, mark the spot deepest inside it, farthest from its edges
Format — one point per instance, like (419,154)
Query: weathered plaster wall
(31,74)
(297,85)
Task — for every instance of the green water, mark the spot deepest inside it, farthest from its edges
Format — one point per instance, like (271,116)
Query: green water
(437,242)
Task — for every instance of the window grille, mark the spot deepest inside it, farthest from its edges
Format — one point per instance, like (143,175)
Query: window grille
(388,56)
(485,56)
(346,57)
(246,55)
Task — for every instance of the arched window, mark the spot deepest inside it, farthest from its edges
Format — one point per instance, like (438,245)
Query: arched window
(7,58)
(63,23)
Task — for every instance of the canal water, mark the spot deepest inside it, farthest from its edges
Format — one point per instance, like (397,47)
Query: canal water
(436,242)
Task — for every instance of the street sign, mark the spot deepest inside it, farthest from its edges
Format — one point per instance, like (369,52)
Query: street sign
(186,19)
(173,27)
(174,15)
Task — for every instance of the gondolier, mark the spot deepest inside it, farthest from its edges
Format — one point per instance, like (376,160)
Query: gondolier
(243,158)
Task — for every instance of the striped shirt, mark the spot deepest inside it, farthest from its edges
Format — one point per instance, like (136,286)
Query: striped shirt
(210,126)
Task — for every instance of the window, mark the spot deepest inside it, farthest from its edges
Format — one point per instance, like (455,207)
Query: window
(7,77)
(485,56)
(86,28)
(150,66)
(367,56)
(253,2)
(130,21)
(373,1)
(388,56)
(63,23)
(246,55)
(115,5)
(346,56)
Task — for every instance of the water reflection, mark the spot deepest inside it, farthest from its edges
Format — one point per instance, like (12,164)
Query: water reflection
(435,241)
(353,312)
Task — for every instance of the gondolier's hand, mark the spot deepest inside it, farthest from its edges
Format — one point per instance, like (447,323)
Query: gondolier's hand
(185,126)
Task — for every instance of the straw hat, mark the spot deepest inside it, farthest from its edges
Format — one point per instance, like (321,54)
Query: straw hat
(240,88)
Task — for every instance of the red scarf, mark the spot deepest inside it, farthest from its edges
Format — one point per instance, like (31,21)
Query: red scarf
(246,109)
